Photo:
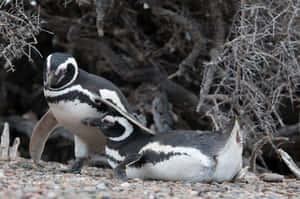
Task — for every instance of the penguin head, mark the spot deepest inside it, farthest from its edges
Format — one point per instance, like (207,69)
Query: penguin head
(60,71)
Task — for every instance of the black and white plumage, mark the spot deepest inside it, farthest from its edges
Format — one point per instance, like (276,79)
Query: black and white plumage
(124,137)
(71,94)
(175,155)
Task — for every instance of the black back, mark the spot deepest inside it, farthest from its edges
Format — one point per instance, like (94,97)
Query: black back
(209,143)
(94,83)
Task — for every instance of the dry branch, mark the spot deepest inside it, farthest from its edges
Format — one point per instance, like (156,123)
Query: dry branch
(5,143)
(258,146)
(257,68)
(13,150)
(290,163)
(288,131)
(161,111)
(6,152)
(103,8)
(18,30)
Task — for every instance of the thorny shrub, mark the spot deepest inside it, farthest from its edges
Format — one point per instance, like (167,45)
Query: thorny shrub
(259,66)
(18,29)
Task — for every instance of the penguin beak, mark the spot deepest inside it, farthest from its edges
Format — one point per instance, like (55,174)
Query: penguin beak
(52,80)
(49,80)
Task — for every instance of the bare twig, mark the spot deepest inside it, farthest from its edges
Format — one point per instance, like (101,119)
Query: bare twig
(6,152)
(18,30)
(161,112)
(194,33)
(289,130)
(103,7)
(208,77)
(290,163)
(257,68)
(5,143)
(13,150)
(257,147)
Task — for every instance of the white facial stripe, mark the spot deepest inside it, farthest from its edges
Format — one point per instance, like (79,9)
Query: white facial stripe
(128,129)
(115,154)
(50,93)
(70,60)
(112,164)
(63,66)
(112,95)
(48,63)
(194,153)
(110,118)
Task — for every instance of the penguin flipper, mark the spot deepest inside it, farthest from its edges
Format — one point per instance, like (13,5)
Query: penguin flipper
(130,117)
(120,170)
(40,134)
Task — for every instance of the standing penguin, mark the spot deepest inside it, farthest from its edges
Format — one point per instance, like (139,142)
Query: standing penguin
(70,93)
(192,156)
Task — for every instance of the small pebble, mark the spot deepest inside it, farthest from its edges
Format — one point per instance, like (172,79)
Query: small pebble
(194,193)
(271,177)
(1,174)
(293,185)
(51,194)
(89,188)
(125,184)
(101,186)
(146,6)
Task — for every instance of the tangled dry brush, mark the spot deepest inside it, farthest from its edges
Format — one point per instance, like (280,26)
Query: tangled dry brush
(258,67)
(18,29)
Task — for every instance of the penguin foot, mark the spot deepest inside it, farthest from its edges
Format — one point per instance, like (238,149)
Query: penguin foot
(38,165)
(76,166)
(70,171)
(120,173)
(99,160)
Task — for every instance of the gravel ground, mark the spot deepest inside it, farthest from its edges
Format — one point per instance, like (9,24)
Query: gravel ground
(22,179)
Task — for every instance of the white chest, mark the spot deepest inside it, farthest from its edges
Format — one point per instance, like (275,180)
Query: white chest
(229,161)
(70,113)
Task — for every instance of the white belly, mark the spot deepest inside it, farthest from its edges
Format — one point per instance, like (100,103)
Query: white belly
(191,165)
(91,141)
(229,162)
(69,114)
(176,168)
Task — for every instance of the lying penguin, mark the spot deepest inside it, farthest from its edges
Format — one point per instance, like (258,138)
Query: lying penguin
(71,94)
(194,156)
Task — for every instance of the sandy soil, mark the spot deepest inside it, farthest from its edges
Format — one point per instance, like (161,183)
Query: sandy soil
(21,179)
